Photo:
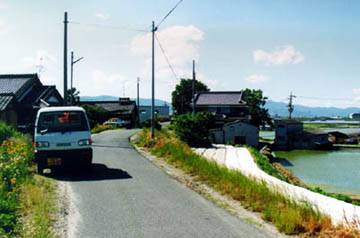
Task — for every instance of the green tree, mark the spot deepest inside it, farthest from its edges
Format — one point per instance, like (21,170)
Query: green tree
(181,97)
(194,130)
(96,115)
(256,102)
(74,94)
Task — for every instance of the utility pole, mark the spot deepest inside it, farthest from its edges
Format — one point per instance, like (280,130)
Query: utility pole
(290,105)
(153,83)
(65,57)
(193,89)
(71,75)
(138,95)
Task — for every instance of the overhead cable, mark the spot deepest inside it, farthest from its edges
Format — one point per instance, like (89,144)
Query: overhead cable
(165,56)
(108,26)
(169,13)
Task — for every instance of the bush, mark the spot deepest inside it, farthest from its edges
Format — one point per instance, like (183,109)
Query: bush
(16,154)
(7,132)
(147,124)
(100,128)
(163,118)
(194,130)
(96,115)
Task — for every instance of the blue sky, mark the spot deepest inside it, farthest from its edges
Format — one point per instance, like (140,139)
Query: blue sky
(308,47)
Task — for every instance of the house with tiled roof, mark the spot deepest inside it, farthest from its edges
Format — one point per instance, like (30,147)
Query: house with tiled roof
(227,106)
(124,108)
(21,95)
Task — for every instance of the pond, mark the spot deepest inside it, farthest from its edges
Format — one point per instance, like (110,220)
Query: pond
(335,171)
(270,135)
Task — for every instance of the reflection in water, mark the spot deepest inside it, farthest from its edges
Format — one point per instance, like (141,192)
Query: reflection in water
(334,171)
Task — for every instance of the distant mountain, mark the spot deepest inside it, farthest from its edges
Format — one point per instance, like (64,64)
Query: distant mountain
(143,101)
(280,109)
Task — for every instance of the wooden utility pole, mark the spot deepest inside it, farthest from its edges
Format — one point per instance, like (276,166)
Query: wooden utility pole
(153,83)
(290,105)
(138,97)
(65,58)
(193,89)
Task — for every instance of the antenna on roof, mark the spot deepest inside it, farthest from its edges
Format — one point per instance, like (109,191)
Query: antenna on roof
(40,67)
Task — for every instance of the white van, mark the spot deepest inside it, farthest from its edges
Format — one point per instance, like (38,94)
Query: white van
(62,138)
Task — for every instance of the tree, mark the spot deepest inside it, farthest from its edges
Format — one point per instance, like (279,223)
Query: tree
(72,92)
(96,115)
(194,130)
(181,97)
(256,102)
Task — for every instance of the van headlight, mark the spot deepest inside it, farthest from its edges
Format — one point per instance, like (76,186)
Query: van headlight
(41,144)
(85,142)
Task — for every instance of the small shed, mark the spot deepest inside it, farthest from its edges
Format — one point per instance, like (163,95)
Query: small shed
(236,132)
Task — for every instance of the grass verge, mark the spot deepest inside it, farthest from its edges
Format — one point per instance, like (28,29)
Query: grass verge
(100,128)
(37,203)
(288,216)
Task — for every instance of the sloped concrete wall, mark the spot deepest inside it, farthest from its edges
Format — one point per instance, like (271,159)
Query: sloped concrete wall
(240,159)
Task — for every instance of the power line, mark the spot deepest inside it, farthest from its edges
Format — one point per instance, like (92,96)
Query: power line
(169,13)
(108,26)
(319,98)
(166,58)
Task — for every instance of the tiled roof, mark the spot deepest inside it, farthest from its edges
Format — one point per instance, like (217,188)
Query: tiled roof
(38,92)
(220,98)
(5,99)
(16,83)
(112,106)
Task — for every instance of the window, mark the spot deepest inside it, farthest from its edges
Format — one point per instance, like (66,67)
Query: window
(280,138)
(62,121)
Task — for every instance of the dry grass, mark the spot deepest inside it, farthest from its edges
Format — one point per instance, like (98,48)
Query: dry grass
(37,204)
(288,216)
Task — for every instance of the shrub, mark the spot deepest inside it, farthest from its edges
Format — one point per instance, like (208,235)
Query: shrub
(194,130)
(96,115)
(16,154)
(147,124)
(7,132)
(163,118)
(100,128)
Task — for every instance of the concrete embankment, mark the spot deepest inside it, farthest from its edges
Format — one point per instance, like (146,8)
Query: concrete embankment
(240,159)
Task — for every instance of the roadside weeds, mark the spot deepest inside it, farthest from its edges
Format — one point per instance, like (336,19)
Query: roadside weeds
(288,216)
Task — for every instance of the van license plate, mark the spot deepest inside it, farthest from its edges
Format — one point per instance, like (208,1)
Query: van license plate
(53,161)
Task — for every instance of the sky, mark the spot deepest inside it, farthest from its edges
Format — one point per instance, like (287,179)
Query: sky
(310,48)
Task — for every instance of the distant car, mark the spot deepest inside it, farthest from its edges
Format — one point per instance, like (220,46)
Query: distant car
(116,122)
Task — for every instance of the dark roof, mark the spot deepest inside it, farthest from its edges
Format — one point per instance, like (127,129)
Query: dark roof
(316,132)
(113,106)
(40,92)
(220,98)
(289,121)
(349,132)
(5,99)
(17,83)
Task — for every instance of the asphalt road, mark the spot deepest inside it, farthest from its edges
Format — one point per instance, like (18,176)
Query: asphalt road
(127,196)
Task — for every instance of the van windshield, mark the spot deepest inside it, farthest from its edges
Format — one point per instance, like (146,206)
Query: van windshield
(62,122)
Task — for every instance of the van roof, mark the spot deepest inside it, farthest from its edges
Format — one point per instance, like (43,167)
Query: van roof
(57,109)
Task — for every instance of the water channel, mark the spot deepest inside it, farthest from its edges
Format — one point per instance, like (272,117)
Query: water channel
(336,171)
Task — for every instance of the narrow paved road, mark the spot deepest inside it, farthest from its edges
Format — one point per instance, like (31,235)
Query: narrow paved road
(128,196)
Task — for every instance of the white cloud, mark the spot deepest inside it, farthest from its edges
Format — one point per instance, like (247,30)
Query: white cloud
(180,44)
(286,54)
(256,79)
(102,17)
(356,91)
(107,84)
